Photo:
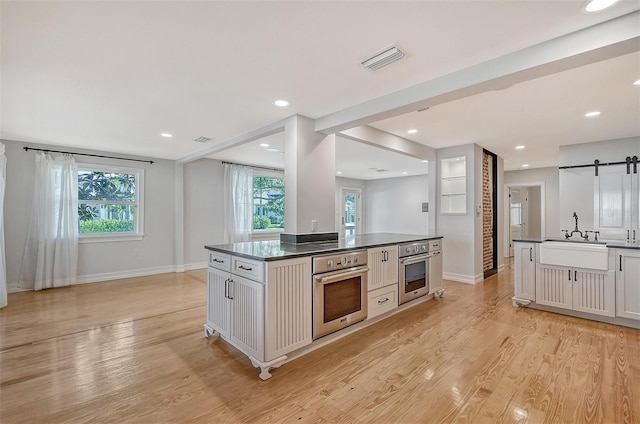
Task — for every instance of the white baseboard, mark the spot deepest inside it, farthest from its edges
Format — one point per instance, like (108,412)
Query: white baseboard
(13,288)
(96,278)
(191,267)
(462,278)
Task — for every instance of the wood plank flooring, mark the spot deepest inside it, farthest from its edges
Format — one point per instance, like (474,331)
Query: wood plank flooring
(133,351)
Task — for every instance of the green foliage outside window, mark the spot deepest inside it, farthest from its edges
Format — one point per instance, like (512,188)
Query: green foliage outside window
(268,202)
(106,202)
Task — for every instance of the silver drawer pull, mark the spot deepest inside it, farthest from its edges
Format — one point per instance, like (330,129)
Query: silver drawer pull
(246,269)
(380,302)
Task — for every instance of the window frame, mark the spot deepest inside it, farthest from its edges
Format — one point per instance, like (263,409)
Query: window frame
(138,216)
(272,173)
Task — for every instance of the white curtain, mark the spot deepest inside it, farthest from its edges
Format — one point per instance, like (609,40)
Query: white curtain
(238,203)
(3,260)
(51,253)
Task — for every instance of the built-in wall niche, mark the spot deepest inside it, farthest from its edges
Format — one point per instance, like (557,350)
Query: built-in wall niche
(453,189)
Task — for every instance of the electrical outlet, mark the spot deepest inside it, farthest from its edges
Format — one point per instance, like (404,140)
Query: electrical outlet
(314,225)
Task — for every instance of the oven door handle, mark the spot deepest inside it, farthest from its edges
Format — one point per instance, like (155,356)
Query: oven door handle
(339,275)
(413,259)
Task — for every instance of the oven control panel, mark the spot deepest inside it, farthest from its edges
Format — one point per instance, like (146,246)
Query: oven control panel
(412,249)
(339,261)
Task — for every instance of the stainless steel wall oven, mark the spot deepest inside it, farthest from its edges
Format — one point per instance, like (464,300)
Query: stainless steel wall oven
(340,291)
(413,271)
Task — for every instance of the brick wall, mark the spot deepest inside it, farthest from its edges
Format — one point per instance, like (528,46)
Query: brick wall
(487,214)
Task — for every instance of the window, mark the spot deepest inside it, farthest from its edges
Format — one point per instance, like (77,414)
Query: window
(109,203)
(268,201)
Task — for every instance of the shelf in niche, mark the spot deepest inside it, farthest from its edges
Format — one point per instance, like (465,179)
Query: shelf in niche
(453,186)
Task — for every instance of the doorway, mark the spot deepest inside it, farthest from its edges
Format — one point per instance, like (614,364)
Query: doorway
(351,211)
(525,212)
(489,213)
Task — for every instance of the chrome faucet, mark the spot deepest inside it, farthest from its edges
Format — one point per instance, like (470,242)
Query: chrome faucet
(568,235)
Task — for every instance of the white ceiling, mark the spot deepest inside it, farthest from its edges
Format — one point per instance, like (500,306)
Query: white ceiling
(112,76)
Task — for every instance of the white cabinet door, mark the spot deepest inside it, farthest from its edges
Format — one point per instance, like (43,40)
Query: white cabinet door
(628,283)
(613,202)
(435,272)
(554,286)
(218,311)
(247,316)
(383,267)
(594,291)
(289,310)
(525,271)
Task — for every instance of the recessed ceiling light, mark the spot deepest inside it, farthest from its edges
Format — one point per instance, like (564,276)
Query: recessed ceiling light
(404,173)
(637,82)
(592,114)
(526,165)
(281,103)
(167,135)
(412,131)
(272,150)
(425,161)
(519,147)
(264,145)
(598,5)
(339,172)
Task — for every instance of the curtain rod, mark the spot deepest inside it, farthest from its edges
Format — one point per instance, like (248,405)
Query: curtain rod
(86,154)
(253,166)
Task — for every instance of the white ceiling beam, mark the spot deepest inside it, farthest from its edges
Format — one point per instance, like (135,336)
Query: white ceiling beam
(604,41)
(265,131)
(375,137)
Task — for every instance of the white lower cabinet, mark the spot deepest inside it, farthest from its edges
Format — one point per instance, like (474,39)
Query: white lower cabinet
(382,281)
(264,320)
(628,283)
(383,267)
(218,306)
(525,271)
(382,300)
(247,316)
(578,289)
(235,310)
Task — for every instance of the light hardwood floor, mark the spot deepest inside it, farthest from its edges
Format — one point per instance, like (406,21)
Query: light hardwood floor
(133,351)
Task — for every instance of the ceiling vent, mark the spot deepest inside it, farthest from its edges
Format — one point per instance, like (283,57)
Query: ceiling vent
(202,139)
(382,58)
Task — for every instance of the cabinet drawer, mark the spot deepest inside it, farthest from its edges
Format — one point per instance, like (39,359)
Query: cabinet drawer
(435,245)
(382,300)
(253,270)
(220,261)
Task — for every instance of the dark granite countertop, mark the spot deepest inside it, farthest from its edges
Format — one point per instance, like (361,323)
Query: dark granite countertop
(613,244)
(273,250)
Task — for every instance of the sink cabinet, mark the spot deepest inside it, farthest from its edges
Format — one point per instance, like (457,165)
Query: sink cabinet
(578,289)
(628,283)
(525,272)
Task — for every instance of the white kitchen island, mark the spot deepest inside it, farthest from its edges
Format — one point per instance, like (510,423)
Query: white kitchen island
(260,294)
(598,281)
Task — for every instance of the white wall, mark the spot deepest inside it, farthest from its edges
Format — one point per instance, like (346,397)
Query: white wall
(462,259)
(550,179)
(96,261)
(203,209)
(394,205)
